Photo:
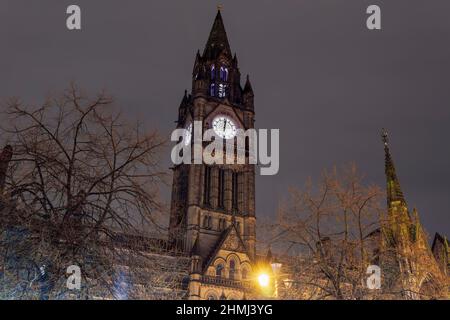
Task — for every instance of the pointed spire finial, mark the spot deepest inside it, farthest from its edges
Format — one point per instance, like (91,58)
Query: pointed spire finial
(217,41)
(219,7)
(248,85)
(394,191)
(384,136)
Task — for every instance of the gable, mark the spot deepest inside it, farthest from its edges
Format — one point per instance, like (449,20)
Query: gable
(229,241)
(233,242)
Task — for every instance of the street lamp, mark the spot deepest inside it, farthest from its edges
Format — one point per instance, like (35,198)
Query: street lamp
(263,280)
(276,268)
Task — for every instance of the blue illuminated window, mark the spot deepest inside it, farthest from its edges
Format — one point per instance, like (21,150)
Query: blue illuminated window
(222,90)
(213,72)
(223,74)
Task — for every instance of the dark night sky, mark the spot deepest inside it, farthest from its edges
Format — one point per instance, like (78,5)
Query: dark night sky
(319,75)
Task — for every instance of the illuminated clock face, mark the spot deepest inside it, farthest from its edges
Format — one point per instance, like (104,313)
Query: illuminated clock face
(188,134)
(224,127)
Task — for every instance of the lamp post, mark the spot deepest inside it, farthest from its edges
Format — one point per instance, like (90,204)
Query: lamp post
(276,268)
(269,288)
(288,283)
(264,281)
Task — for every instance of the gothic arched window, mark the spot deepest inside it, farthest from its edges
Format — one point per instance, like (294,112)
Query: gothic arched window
(222,90)
(221,202)
(234,192)
(222,224)
(232,268)
(212,90)
(219,269)
(206,185)
(244,274)
(223,73)
(213,72)
(212,297)
(206,222)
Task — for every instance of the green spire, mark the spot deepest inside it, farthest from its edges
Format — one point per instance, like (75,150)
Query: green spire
(217,41)
(393,189)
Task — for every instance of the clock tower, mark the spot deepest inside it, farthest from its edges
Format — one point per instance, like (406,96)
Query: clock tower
(212,214)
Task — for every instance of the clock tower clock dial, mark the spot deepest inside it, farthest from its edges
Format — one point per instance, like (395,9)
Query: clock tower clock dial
(224,127)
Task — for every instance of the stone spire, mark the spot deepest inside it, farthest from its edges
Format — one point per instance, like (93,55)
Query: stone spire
(393,189)
(217,41)
(247,95)
(248,86)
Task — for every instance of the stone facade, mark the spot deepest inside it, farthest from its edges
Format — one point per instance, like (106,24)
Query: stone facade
(213,206)
(210,252)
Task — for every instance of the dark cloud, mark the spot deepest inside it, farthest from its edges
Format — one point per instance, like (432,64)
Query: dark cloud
(319,75)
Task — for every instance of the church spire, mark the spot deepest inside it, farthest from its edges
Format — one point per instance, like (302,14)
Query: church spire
(248,86)
(218,40)
(393,189)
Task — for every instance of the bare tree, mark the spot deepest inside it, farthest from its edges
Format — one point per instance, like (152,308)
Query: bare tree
(328,231)
(79,177)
